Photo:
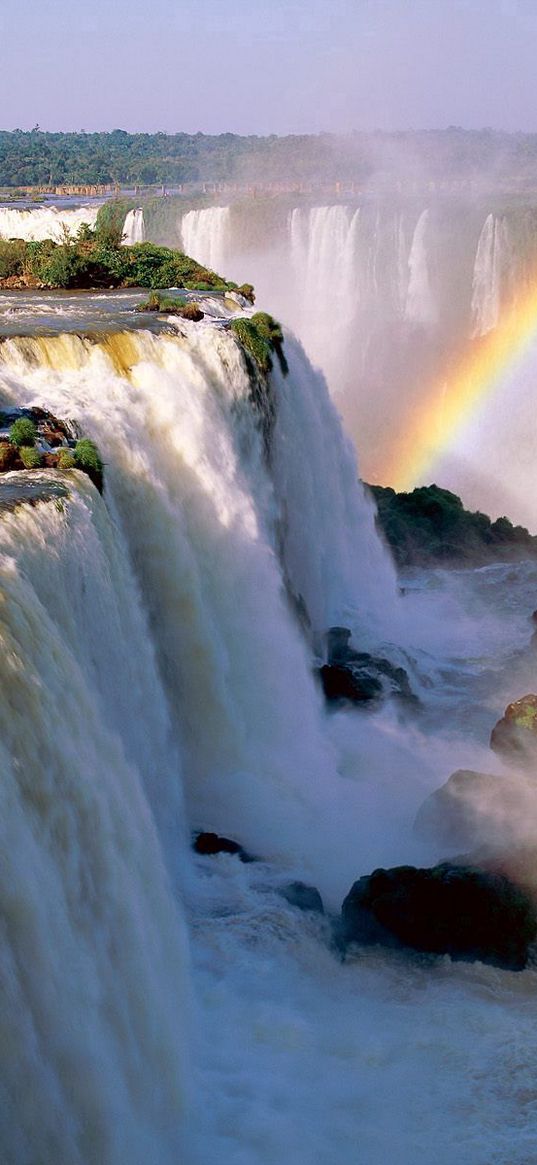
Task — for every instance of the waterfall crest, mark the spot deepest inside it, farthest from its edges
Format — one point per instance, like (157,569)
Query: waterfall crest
(47,222)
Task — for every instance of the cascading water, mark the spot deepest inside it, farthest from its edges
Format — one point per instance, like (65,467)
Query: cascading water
(47,222)
(165,626)
(134,229)
(489,272)
(93,959)
(205,236)
(420,307)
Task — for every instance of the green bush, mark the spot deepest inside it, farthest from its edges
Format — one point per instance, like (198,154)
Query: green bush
(66,459)
(87,455)
(30,457)
(260,336)
(11,258)
(23,432)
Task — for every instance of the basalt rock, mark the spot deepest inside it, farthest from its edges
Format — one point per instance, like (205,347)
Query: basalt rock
(302,896)
(210,844)
(358,676)
(514,737)
(458,910)
(474,809)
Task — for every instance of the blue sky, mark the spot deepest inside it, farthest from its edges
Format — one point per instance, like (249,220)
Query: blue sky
(268,66)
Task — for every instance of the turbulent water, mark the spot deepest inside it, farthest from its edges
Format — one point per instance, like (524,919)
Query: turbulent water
(47,222)
(158,679)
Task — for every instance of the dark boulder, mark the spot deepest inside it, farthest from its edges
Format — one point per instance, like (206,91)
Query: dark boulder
(302,896)
(514,737)
(343,683)
(462,911)
(210,844)
(358,676)
(474,809)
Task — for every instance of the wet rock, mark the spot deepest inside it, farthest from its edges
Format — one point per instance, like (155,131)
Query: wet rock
(358,676)
(210,844)
(302,896)
(514,737)
(459,910)
(474,809)
(343,683)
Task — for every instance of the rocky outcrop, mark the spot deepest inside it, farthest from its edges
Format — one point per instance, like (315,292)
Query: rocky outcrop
(302,896)
(210,844)
(459,910)
(474,809)
(514,737)
(357,676)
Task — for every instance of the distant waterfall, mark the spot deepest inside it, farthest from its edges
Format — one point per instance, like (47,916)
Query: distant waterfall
(205,236)
(420,307)
(45,222)
(489,270)
(133,230)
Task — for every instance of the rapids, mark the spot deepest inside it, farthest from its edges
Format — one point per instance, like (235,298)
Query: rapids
(161,1007)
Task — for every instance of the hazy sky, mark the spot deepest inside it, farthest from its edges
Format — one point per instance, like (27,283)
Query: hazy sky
(267,66)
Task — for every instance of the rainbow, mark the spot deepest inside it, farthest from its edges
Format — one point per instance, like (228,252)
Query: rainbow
(451,402)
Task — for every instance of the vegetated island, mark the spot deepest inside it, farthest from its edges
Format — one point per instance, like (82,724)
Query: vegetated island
(97,258)
(431,527)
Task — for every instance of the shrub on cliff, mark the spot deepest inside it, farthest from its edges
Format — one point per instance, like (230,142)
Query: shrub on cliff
(23,432)
(30,457)
(260,336)
(87,457)
(66,459)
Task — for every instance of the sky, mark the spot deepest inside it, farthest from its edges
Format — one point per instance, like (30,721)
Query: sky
(268,66)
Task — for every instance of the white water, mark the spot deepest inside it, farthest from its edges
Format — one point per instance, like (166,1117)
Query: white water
(293,1054)
(489,274)
(205,236)
(46,222)
(420,307)
(133,229)
(93,959)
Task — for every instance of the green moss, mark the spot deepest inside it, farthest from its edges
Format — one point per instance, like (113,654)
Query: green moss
(23,432)
(261,336)
(172,306)
(66,459)
(30,457)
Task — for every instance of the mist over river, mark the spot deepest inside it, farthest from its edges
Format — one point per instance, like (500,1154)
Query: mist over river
(160,650)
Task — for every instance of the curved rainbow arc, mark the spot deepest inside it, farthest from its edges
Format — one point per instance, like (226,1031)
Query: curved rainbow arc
(452,401)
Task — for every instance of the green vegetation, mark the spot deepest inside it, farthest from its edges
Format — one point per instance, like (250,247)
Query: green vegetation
(430,526)
(172,307)
(30,457)
(66,459)
(91,261)
(23,432)
(261,336)
(36,158)
(87,455)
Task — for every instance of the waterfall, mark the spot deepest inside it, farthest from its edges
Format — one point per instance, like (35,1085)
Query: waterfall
(333,554)
(45,222)
(200,513)
(489,270)
(205,236)
(420,307)
(93,959)
(133,229)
